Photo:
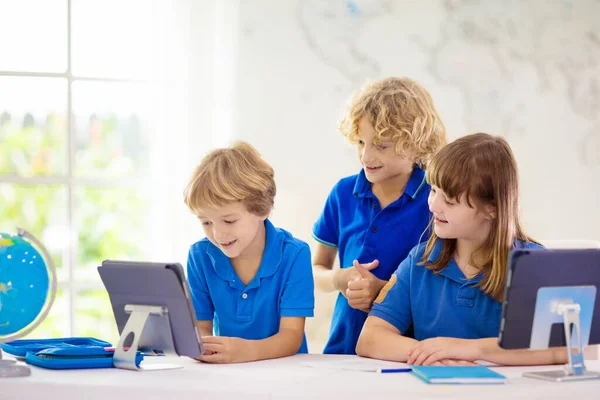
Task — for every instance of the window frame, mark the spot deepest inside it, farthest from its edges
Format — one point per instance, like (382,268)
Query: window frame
(70,286)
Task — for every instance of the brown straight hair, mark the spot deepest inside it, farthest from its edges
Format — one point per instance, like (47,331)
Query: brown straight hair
(481,169)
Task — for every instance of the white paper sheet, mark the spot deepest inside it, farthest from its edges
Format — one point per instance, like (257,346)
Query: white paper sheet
(362,364)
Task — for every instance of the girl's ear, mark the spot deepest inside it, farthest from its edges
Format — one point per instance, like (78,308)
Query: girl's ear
(490,212)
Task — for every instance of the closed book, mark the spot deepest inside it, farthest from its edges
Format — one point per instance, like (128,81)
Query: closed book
(457,375)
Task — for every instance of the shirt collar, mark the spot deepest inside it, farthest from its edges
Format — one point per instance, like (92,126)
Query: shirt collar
(416,182)
(273,252)
(452,271)
(362,187)
(436,252)
(272,255)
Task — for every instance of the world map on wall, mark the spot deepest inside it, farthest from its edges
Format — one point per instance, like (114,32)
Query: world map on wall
(505,58)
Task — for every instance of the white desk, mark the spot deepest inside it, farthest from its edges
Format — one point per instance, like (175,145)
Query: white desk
(282,378)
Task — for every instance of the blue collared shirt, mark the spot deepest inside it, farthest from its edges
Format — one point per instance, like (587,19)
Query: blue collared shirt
(283,287)
(446,304)
(353,222)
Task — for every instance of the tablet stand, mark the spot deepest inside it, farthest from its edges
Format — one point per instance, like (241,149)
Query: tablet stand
(573,306)
(148,327)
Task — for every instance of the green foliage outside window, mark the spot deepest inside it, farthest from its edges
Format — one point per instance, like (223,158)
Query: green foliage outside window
(31,149)
(110,222)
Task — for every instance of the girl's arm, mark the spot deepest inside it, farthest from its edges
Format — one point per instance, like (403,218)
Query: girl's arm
(429,351)
(490,351)
(382,340)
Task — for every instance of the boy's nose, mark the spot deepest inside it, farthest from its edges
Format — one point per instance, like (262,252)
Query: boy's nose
(366,156)
(220,236)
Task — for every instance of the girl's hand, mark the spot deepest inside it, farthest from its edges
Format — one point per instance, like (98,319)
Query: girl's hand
(429,351)
(223,350)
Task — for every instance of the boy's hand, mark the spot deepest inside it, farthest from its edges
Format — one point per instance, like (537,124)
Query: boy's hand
(430,351)
(363,289)
(223,349)
(345,275)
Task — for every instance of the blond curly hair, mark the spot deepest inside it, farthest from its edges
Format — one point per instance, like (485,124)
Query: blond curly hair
(401,111)
(236,173)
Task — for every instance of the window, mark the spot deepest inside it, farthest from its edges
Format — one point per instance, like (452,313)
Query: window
(86,133)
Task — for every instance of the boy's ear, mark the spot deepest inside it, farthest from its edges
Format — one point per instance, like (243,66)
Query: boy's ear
(264,217)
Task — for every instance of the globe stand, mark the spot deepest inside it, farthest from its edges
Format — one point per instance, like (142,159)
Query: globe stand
(12,368)
(148,327)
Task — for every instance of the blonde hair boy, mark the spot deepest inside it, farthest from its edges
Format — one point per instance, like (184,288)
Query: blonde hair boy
(237,173)
(373,219)
(401,111)
(251,283)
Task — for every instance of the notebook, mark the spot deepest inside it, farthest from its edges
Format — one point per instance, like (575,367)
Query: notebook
(458,375)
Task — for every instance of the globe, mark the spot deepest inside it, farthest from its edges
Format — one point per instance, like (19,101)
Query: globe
(27,290)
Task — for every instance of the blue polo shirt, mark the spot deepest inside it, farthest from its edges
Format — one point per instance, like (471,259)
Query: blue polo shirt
(446,304)
(353,222)
(283,287)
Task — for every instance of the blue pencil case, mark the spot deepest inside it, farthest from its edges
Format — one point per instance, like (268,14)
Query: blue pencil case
(20,348)
(65,353)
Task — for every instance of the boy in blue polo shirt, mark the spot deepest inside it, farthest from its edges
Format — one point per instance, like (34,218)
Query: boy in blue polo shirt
(378,215)
(450,289)
(250,282)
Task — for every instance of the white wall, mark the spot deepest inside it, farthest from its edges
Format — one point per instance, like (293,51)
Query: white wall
(529,71)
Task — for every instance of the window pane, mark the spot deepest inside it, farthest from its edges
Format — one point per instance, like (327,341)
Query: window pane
(33,126)
(94,316)
(56,323)
(113,223)
(111,124)
(34,35)
(42,211)
(112,38)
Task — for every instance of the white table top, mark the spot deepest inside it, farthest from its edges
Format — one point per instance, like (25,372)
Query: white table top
(282,378)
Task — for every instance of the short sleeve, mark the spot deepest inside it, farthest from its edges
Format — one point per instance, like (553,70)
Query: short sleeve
(393,303)
(298,297)
(326,229)
(203,304)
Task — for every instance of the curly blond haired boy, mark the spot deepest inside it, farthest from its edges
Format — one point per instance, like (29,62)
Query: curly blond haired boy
(373,219)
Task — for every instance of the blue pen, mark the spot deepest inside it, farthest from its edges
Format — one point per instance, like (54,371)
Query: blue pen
(393,370)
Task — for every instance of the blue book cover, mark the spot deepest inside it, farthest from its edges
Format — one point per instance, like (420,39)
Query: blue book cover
(457,375)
